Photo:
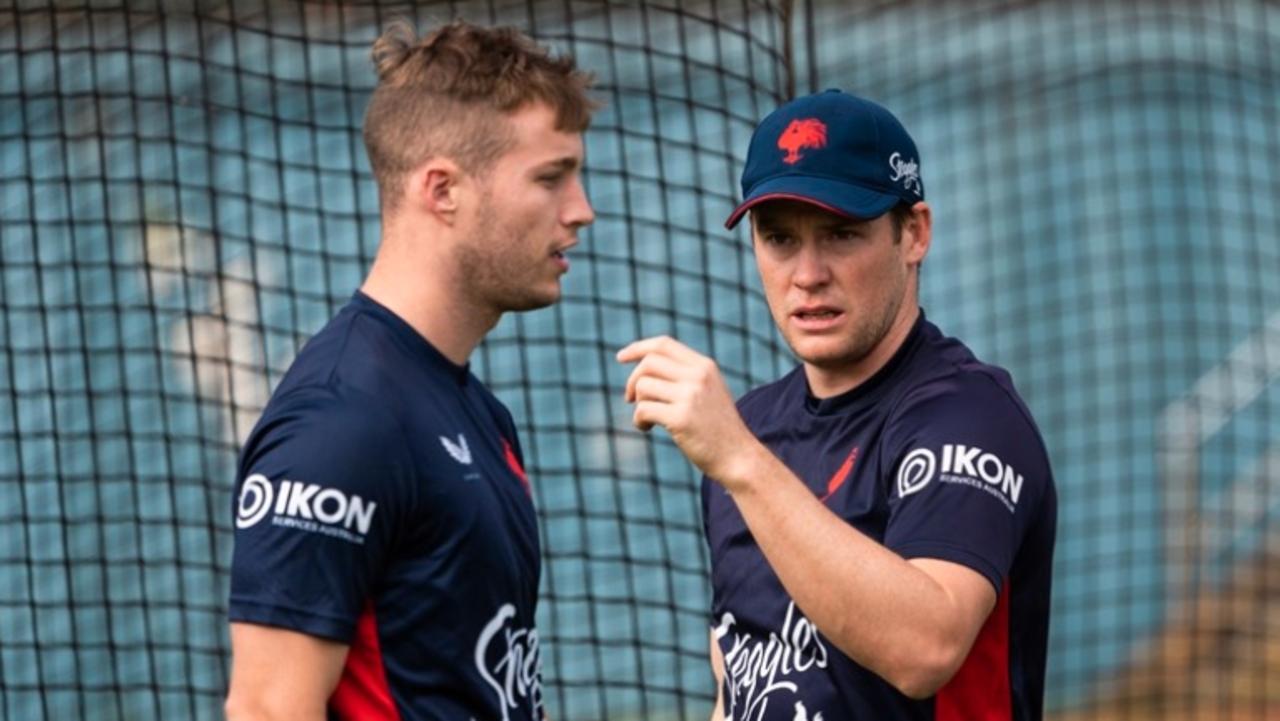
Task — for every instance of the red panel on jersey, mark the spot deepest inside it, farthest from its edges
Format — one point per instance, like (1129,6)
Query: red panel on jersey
(514,464)
(980,689)
(841,474)
(362,692)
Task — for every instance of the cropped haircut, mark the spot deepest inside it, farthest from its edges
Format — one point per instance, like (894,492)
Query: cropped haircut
(450,94)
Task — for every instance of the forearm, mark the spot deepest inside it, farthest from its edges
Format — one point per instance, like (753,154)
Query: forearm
(278,674)
(879,609)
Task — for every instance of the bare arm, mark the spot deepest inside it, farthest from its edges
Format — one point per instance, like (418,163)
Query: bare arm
(280,674)
(717,670)
(911,622)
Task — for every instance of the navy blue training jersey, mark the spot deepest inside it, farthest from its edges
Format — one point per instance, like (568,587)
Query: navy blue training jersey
(382,503)
(935,456)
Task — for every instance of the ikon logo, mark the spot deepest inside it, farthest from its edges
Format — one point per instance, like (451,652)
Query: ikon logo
(302,502)
(916,471)
(967,465)
(973,462)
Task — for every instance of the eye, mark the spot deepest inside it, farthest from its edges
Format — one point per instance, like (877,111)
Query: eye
(846,233)
(551,180)
(772,237)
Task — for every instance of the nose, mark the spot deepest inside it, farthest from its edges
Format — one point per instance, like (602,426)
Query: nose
(577,211)
(811,268)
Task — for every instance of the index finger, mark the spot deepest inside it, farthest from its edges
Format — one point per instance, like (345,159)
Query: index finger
(662,344)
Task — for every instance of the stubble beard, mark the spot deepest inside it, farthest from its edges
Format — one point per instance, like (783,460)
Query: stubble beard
(865,337)
(496,275)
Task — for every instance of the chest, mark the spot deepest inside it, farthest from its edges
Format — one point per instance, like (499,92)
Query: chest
(841,460)
(474,513)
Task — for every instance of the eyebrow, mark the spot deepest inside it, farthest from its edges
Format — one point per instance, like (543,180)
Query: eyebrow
(565,163)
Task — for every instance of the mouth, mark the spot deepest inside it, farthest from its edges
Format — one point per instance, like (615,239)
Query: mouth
(816,318)
(561,259)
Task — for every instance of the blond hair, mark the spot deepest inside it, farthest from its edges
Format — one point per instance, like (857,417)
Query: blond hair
(448,94)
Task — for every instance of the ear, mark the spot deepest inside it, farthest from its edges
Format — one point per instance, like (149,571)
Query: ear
(917,233)
(434,188)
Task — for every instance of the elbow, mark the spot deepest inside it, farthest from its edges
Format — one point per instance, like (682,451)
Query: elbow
(919,685)
(238,708)
(921,674)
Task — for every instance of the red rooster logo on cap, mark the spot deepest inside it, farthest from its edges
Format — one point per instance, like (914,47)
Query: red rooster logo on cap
(800,134)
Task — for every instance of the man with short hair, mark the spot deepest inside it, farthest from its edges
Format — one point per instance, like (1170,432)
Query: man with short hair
(386,562)
(881,520)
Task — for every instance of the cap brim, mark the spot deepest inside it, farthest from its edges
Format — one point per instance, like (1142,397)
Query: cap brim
(851,201)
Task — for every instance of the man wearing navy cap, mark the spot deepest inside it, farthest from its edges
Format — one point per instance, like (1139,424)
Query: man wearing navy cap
(881,519)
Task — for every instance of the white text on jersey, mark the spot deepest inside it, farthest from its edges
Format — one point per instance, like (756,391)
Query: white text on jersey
(305,506)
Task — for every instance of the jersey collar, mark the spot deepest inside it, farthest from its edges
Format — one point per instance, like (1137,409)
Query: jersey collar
(870,390)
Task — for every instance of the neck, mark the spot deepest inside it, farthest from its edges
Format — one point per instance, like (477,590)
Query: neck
(828,382)
(425,293)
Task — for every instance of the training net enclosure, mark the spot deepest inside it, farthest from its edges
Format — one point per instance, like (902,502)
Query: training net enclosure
(184,199)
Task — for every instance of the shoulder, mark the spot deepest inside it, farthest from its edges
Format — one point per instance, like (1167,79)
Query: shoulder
(327,424)
(356,349)
(969,391)
(323,358)
(968,416)
(952,384)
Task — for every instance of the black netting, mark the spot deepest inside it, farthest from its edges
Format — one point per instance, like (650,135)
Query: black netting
(184,198)
(1107,227)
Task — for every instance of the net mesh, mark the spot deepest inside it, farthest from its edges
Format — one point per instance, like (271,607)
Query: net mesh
(184,198)
(1105,227)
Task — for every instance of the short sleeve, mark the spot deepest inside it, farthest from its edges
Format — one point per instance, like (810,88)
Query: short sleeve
(968,475)
(323,481)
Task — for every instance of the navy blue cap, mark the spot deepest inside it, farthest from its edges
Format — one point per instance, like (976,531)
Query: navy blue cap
(837,151)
